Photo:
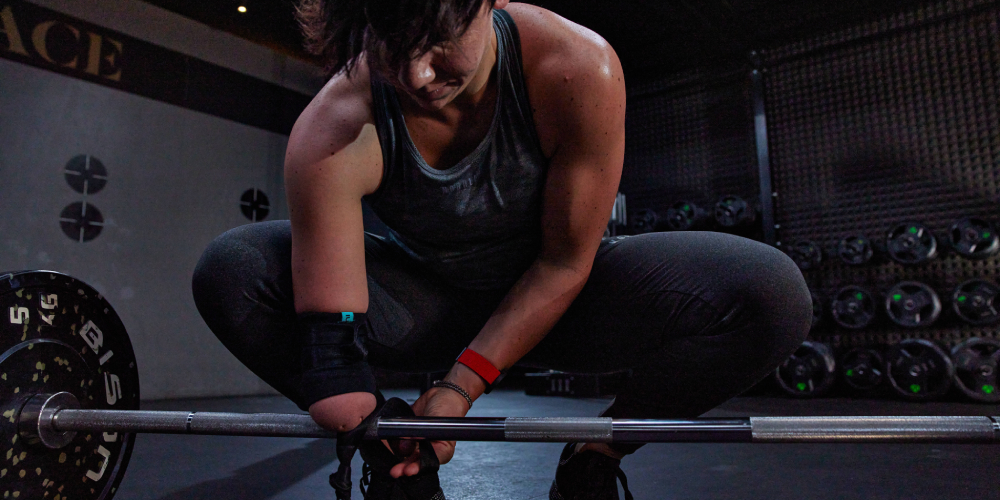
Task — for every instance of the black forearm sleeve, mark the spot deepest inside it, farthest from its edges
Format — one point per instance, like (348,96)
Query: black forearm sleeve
(333,355)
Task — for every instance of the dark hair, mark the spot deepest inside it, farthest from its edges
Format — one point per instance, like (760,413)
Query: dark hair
(389,32)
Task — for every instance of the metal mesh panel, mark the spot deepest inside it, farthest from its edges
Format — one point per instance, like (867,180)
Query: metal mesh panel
(892,121)
(690,138)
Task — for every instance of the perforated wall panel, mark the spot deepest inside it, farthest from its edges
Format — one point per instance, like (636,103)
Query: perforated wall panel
(895,120)
(690,138)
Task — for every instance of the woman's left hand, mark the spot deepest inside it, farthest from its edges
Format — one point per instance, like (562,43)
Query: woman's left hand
(437,402)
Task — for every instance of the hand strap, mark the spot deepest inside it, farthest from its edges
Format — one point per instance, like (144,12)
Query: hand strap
(482,366)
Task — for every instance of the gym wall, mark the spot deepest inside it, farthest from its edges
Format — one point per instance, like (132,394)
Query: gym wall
(179,131)
(689,137)
(892,120)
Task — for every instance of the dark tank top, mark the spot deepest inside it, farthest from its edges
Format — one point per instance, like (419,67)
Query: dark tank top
(477,224)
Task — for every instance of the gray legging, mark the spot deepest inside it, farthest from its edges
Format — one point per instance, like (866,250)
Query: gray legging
(697,317)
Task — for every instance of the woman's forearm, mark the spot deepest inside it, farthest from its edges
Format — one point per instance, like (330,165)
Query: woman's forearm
(524,317)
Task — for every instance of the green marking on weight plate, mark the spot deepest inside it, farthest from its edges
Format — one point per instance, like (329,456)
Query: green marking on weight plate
(915,388)
(897,297)
(850,373)
(686,208)
(860,296)
(988,389)
(913,230)
(801,386)
(962,298)
(986,235)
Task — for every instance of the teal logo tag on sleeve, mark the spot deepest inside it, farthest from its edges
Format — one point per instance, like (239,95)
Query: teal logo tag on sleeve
(347,317)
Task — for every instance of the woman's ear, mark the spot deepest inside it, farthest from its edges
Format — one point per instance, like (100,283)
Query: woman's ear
(499,4)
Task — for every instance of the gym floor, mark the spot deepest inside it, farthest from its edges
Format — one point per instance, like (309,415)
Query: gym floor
(213,467)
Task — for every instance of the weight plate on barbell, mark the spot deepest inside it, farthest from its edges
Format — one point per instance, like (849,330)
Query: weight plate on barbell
(809,372)
(976,363)
(644,221)
(918,369)
(973,301)
(973,238)
(58,334)
(806,254)
(862,368)
(911,243)
(855,250)
(853,307)
(912,304)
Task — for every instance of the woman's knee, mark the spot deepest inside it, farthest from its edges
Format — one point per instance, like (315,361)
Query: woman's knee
(239,264)
(751,286)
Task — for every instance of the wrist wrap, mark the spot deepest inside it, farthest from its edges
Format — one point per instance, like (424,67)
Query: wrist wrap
(333,355)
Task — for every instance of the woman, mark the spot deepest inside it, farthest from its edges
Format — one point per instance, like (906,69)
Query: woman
(489,137)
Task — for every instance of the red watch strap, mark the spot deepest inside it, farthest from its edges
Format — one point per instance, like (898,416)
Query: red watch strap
(479,364)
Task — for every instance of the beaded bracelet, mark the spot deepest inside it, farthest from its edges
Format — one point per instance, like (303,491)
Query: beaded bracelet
(455,387)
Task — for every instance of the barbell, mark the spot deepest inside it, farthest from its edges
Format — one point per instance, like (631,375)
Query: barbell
(70,405)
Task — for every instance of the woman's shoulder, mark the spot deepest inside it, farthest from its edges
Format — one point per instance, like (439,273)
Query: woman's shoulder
(335,116)
(552,45)
(337,123)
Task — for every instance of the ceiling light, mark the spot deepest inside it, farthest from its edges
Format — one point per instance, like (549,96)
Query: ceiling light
(242,9)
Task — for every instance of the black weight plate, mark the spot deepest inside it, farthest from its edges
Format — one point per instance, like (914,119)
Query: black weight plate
(644,221)
(976,363)
(862,369)
(853,307)
(685,216)
(817,303)
(918,369)
(973,301)
(733,212)
(806,254)
(855,250)
(58,334)
(809,372)
(911,243)
(912,304)
(973,238)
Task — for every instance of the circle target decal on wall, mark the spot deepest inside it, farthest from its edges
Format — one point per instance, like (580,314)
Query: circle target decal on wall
(255,205)
(86,174)
(81,221)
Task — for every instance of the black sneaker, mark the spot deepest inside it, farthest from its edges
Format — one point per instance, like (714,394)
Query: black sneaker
(588,475)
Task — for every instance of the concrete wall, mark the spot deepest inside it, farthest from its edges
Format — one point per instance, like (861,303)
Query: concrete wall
(174,181)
